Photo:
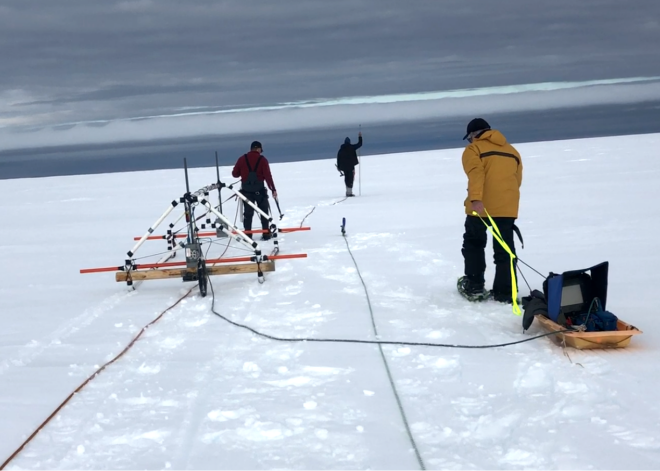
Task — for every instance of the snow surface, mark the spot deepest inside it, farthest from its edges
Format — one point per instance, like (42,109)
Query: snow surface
(196,392)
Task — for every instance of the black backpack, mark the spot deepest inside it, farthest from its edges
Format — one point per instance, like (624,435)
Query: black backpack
(252,184)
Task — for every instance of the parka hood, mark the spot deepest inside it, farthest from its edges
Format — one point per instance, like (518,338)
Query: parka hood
(494,136)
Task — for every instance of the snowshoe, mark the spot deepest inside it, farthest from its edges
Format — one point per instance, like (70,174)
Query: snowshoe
(471,293)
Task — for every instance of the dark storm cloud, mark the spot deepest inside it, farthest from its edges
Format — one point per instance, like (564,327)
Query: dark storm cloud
(68,60)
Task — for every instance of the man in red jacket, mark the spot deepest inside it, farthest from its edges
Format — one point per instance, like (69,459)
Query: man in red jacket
(254,170)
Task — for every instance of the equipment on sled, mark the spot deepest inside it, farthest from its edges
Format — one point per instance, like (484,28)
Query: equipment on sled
(576,301)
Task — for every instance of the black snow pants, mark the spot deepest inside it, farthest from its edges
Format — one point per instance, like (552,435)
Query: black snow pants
(474,245)
(260,198)
(349,176)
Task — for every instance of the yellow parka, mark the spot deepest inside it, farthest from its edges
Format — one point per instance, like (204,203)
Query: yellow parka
(494,170)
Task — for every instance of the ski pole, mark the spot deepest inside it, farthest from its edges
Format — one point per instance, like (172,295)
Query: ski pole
(217,172)
(278,207)
(360,164)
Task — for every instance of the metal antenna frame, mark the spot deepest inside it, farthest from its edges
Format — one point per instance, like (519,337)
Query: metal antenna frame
(193,248)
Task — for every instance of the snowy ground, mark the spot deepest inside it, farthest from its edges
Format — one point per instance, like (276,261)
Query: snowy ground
(196,392)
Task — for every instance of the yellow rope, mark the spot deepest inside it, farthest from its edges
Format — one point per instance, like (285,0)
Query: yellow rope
(498,237)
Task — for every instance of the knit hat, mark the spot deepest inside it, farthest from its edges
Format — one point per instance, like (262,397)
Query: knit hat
(347,140)
(256,145)
(477,124)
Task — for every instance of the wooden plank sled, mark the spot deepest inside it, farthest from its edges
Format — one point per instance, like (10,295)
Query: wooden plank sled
(619,338)
(160,274)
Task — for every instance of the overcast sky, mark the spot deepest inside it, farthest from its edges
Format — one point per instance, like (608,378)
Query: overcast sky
(72,60)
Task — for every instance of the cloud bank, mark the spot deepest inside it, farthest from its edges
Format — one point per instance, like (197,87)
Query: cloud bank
(69,61)
(344,112)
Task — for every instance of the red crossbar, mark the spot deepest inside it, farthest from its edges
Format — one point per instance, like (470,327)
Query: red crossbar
(211,234)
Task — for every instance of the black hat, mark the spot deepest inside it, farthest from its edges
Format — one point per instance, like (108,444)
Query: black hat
(256,145)
(347,140)
(477,124)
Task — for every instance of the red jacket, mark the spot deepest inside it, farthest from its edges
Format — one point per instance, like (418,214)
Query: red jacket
(263,171)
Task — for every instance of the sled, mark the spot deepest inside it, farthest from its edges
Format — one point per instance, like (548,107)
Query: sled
(619,338)
(196,266)
(574,292)
(161,274)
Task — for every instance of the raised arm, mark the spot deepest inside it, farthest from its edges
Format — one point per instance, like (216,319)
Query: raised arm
(359,144)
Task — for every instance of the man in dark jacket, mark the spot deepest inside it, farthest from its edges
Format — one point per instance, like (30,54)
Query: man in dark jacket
(254,170)
(347,160)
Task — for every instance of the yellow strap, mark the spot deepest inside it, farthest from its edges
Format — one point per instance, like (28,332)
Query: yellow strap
(498,237)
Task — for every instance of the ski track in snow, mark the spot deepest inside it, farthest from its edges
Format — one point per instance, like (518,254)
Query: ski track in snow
(233,427)
(29,352)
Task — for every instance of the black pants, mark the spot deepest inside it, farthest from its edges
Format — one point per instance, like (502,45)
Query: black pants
(474,244)
(259,198)
(349,176)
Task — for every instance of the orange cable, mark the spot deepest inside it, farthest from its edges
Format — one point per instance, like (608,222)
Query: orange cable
(79,388)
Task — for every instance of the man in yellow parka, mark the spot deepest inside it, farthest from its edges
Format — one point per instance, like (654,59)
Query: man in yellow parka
(494,170)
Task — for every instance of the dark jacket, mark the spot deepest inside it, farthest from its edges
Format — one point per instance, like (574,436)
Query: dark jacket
(347,157)
(263,171)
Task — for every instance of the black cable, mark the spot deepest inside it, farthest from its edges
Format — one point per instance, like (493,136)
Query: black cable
(228,244)
(404,418)
(303,220)
(523,276)
(151,255)
(532,268)
(377,342)
(372,342)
